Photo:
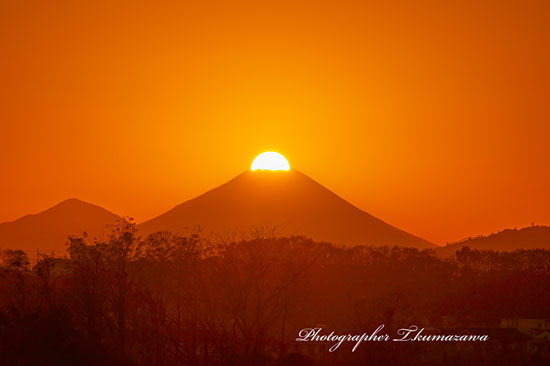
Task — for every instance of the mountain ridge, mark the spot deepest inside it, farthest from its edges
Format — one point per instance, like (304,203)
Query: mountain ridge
(289,200)
(530,237)
(233,203)
(49,229)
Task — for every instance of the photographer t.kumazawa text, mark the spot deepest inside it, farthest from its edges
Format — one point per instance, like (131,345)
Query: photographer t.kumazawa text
(410,334)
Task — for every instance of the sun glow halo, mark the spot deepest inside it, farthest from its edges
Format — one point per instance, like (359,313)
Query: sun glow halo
(270,160)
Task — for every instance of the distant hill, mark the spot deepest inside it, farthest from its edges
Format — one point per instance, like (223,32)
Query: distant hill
(290,200)
(532,237)
(49,230)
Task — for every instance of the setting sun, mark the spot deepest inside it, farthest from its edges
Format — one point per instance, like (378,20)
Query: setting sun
(270,160)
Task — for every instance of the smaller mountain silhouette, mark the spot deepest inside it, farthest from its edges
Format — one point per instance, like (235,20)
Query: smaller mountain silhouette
(49,229)
(508,240)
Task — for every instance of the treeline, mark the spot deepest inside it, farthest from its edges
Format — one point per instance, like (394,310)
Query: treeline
(191,300)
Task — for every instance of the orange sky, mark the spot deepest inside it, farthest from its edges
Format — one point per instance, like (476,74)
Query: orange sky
(434,117)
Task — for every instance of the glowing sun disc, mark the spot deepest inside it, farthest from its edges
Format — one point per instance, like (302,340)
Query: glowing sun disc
(270,160)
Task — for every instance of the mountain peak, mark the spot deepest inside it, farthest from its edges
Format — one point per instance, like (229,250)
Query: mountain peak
(74,203)
(48,230)
(70,200)
(290,200)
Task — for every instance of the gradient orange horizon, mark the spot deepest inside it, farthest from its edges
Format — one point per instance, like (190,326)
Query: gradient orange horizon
(433,116)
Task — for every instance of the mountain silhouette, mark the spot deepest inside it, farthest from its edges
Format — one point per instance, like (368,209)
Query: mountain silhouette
(291,201)
(508,240)
(49,230)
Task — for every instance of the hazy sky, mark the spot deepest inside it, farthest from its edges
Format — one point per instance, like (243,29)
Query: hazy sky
(431,115)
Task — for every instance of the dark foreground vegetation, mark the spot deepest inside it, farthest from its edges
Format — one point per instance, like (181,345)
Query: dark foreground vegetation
(169,300)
